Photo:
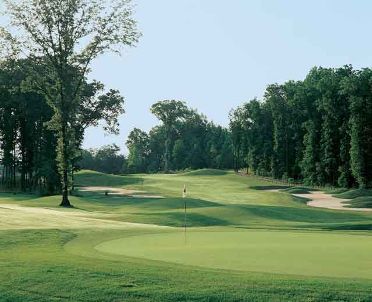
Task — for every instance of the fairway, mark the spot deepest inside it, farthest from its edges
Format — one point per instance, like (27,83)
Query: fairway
(299,253)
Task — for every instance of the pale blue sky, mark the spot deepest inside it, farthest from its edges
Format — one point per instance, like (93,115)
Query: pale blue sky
(216,54)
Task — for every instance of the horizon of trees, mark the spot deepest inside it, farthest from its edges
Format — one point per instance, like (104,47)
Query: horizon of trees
(186,140)
(317,131)
(106,159)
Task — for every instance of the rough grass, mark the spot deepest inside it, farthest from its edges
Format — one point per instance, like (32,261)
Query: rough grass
(62,264)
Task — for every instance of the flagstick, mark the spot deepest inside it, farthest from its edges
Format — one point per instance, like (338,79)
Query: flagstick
(185,225)
(185,222)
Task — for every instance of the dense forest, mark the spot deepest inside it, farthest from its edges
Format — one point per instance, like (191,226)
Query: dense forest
(28,136)
(318,131)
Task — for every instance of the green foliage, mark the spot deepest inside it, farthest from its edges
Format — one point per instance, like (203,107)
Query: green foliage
(191,142)
(62,38)
(316,131)
(106,159)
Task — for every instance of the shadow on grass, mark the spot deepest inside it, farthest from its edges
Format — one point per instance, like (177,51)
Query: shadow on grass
(301,214)
(176,219)
(19,196)
(145,203)
(349,227)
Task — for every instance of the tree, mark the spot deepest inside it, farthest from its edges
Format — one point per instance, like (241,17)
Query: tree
(169,112)
(64,37)
(138,146)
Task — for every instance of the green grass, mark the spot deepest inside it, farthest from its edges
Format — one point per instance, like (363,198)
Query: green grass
(351,194)
(243,244)
(298,190)
(298,253)
(360,202)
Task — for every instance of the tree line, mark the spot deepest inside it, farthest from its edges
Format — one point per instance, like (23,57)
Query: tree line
(318,131)
(184,140)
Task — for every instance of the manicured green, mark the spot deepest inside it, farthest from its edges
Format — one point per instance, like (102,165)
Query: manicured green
(285,252)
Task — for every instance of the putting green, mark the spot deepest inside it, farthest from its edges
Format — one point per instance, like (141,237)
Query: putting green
(285,252)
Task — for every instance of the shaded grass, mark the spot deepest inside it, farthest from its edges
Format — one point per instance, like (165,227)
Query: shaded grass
(360,202)
(350,194)
(92,178)
(298,190)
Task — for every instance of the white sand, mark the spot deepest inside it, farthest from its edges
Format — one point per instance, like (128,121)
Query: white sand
(323,200)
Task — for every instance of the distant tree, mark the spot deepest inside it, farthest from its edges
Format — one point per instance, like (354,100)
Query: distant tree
(169,112)
(106,159)
(138,146)
(238,136)
(64,37)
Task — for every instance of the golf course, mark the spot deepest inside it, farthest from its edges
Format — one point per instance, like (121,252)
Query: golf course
(185,151)
(246,239)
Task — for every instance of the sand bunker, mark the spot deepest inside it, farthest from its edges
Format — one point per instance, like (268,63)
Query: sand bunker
(323,200)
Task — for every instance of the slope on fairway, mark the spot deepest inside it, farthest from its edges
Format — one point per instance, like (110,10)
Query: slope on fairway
(284,252)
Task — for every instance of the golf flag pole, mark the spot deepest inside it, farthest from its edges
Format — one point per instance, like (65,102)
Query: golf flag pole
(184,197)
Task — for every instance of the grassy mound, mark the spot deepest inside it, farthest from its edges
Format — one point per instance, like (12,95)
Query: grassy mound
(338,191)
(93,178)
(205,172)
(360,202)
(298,190)
(351,194)
(273,187)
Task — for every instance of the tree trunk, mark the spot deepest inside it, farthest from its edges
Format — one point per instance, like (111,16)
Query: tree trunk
(65,201)
(166,159)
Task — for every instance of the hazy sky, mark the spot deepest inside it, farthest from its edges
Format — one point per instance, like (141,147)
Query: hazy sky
(217,54)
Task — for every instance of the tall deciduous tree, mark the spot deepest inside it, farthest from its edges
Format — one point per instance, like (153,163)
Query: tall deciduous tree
(64,37)
(169,112)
